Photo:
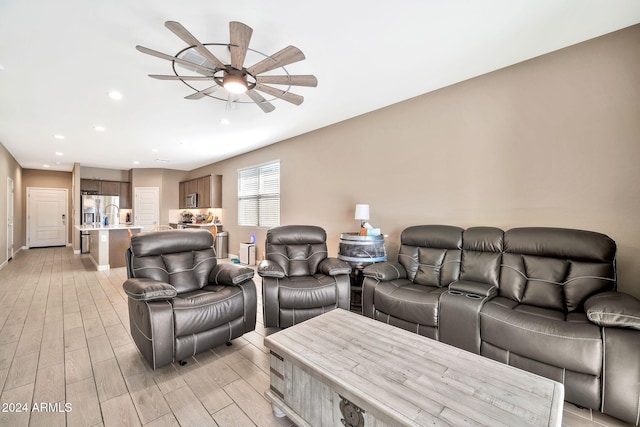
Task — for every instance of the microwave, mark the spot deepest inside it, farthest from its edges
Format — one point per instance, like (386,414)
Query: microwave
(191,200)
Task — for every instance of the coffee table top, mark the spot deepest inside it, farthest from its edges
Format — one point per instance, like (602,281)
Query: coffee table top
(412,380)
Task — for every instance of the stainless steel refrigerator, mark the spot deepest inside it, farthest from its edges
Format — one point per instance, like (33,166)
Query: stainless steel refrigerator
(95,209)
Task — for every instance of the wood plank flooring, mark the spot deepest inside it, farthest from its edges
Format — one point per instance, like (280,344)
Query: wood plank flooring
(64,340)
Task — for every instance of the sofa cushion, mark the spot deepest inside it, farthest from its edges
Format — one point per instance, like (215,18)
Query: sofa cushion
(297,249)
(430,254)
(307,292)
(207,308)
(543,334)
(408,301)
(556,268)
(481,255)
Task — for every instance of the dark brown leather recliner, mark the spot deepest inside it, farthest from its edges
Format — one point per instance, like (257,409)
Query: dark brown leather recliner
(181,301)
(299,281)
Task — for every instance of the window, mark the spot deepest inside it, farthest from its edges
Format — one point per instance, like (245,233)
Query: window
(259,195)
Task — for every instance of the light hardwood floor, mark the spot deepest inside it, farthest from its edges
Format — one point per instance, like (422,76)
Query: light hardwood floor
(64,339)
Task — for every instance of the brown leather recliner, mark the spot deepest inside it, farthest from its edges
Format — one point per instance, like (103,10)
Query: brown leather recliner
(299,281)
(181,301)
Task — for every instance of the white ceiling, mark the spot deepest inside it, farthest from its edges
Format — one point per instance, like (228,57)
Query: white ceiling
(58,60)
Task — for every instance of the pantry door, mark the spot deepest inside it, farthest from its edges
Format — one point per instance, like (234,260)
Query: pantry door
(146,209)
(47,217)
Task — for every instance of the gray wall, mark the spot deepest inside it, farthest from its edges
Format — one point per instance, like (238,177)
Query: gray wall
(9,168)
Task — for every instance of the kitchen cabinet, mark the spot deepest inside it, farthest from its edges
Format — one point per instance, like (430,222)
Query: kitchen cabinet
(216,191)
(92,186)
(191,186)
(181,194)
(110,188)
(204,191)
(125,195)
(208,187)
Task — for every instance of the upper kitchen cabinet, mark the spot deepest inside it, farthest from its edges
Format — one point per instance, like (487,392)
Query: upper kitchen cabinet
(210,191)
(91,186)
(125,195)
(110,188)
(208,188)
(181,195)
(204,191)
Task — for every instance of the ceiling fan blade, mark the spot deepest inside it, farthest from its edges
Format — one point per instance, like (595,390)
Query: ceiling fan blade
(163,77)
(189,39)
(301,80)
(287,96)
(239,42)
(264,105)
(173,58)
(202,93)
(288,55)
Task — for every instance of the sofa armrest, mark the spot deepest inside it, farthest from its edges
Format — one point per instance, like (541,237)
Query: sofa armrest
(143,289)
(613,309)
(334,267)
(269,268)
(475,288)
(387,270)
(230,274)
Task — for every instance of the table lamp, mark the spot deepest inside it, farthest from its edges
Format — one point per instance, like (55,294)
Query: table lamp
(362,213)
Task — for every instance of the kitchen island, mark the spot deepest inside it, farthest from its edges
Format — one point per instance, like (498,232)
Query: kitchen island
(108,244)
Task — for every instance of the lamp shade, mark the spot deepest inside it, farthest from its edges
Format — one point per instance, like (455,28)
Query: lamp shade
(362,212)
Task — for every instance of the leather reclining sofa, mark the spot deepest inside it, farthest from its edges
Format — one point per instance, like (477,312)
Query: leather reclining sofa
(540,299)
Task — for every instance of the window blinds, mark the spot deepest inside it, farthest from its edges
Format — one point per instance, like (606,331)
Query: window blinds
(259,196)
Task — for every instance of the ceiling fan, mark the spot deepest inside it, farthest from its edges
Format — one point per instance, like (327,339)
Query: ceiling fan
(235,77)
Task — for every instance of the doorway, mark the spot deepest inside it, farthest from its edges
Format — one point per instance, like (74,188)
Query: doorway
(10,204)
(47,215)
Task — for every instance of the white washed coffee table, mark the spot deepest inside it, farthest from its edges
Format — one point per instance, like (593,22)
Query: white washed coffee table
(343,368)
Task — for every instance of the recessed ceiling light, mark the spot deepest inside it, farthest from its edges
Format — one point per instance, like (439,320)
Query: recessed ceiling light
(46,166)
(162,160)
(100,128)
(58,136)
(114,94)
(154,150)
(224,121)
(1,67)
(135,162)
(59,153)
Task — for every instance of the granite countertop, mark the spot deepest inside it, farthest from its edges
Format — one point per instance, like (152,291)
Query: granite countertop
(90,227)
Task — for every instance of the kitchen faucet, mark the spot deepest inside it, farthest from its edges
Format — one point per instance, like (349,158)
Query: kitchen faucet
(115,206)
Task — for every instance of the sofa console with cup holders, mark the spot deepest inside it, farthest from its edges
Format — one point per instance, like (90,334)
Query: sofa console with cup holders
(540,299)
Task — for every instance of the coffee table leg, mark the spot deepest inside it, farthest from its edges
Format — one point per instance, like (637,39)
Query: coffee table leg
(277,412)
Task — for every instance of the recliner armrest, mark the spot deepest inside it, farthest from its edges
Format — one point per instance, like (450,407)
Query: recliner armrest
(143,289)
(334,267)
(474,288)
(269,268)
(387,270)
(230,274)
(613,309)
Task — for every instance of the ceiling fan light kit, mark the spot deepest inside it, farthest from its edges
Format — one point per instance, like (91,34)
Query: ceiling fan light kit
(234,78)
(235,81)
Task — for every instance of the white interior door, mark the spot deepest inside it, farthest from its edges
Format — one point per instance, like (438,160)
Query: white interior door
(146,208)
(47,217)
(10,202)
